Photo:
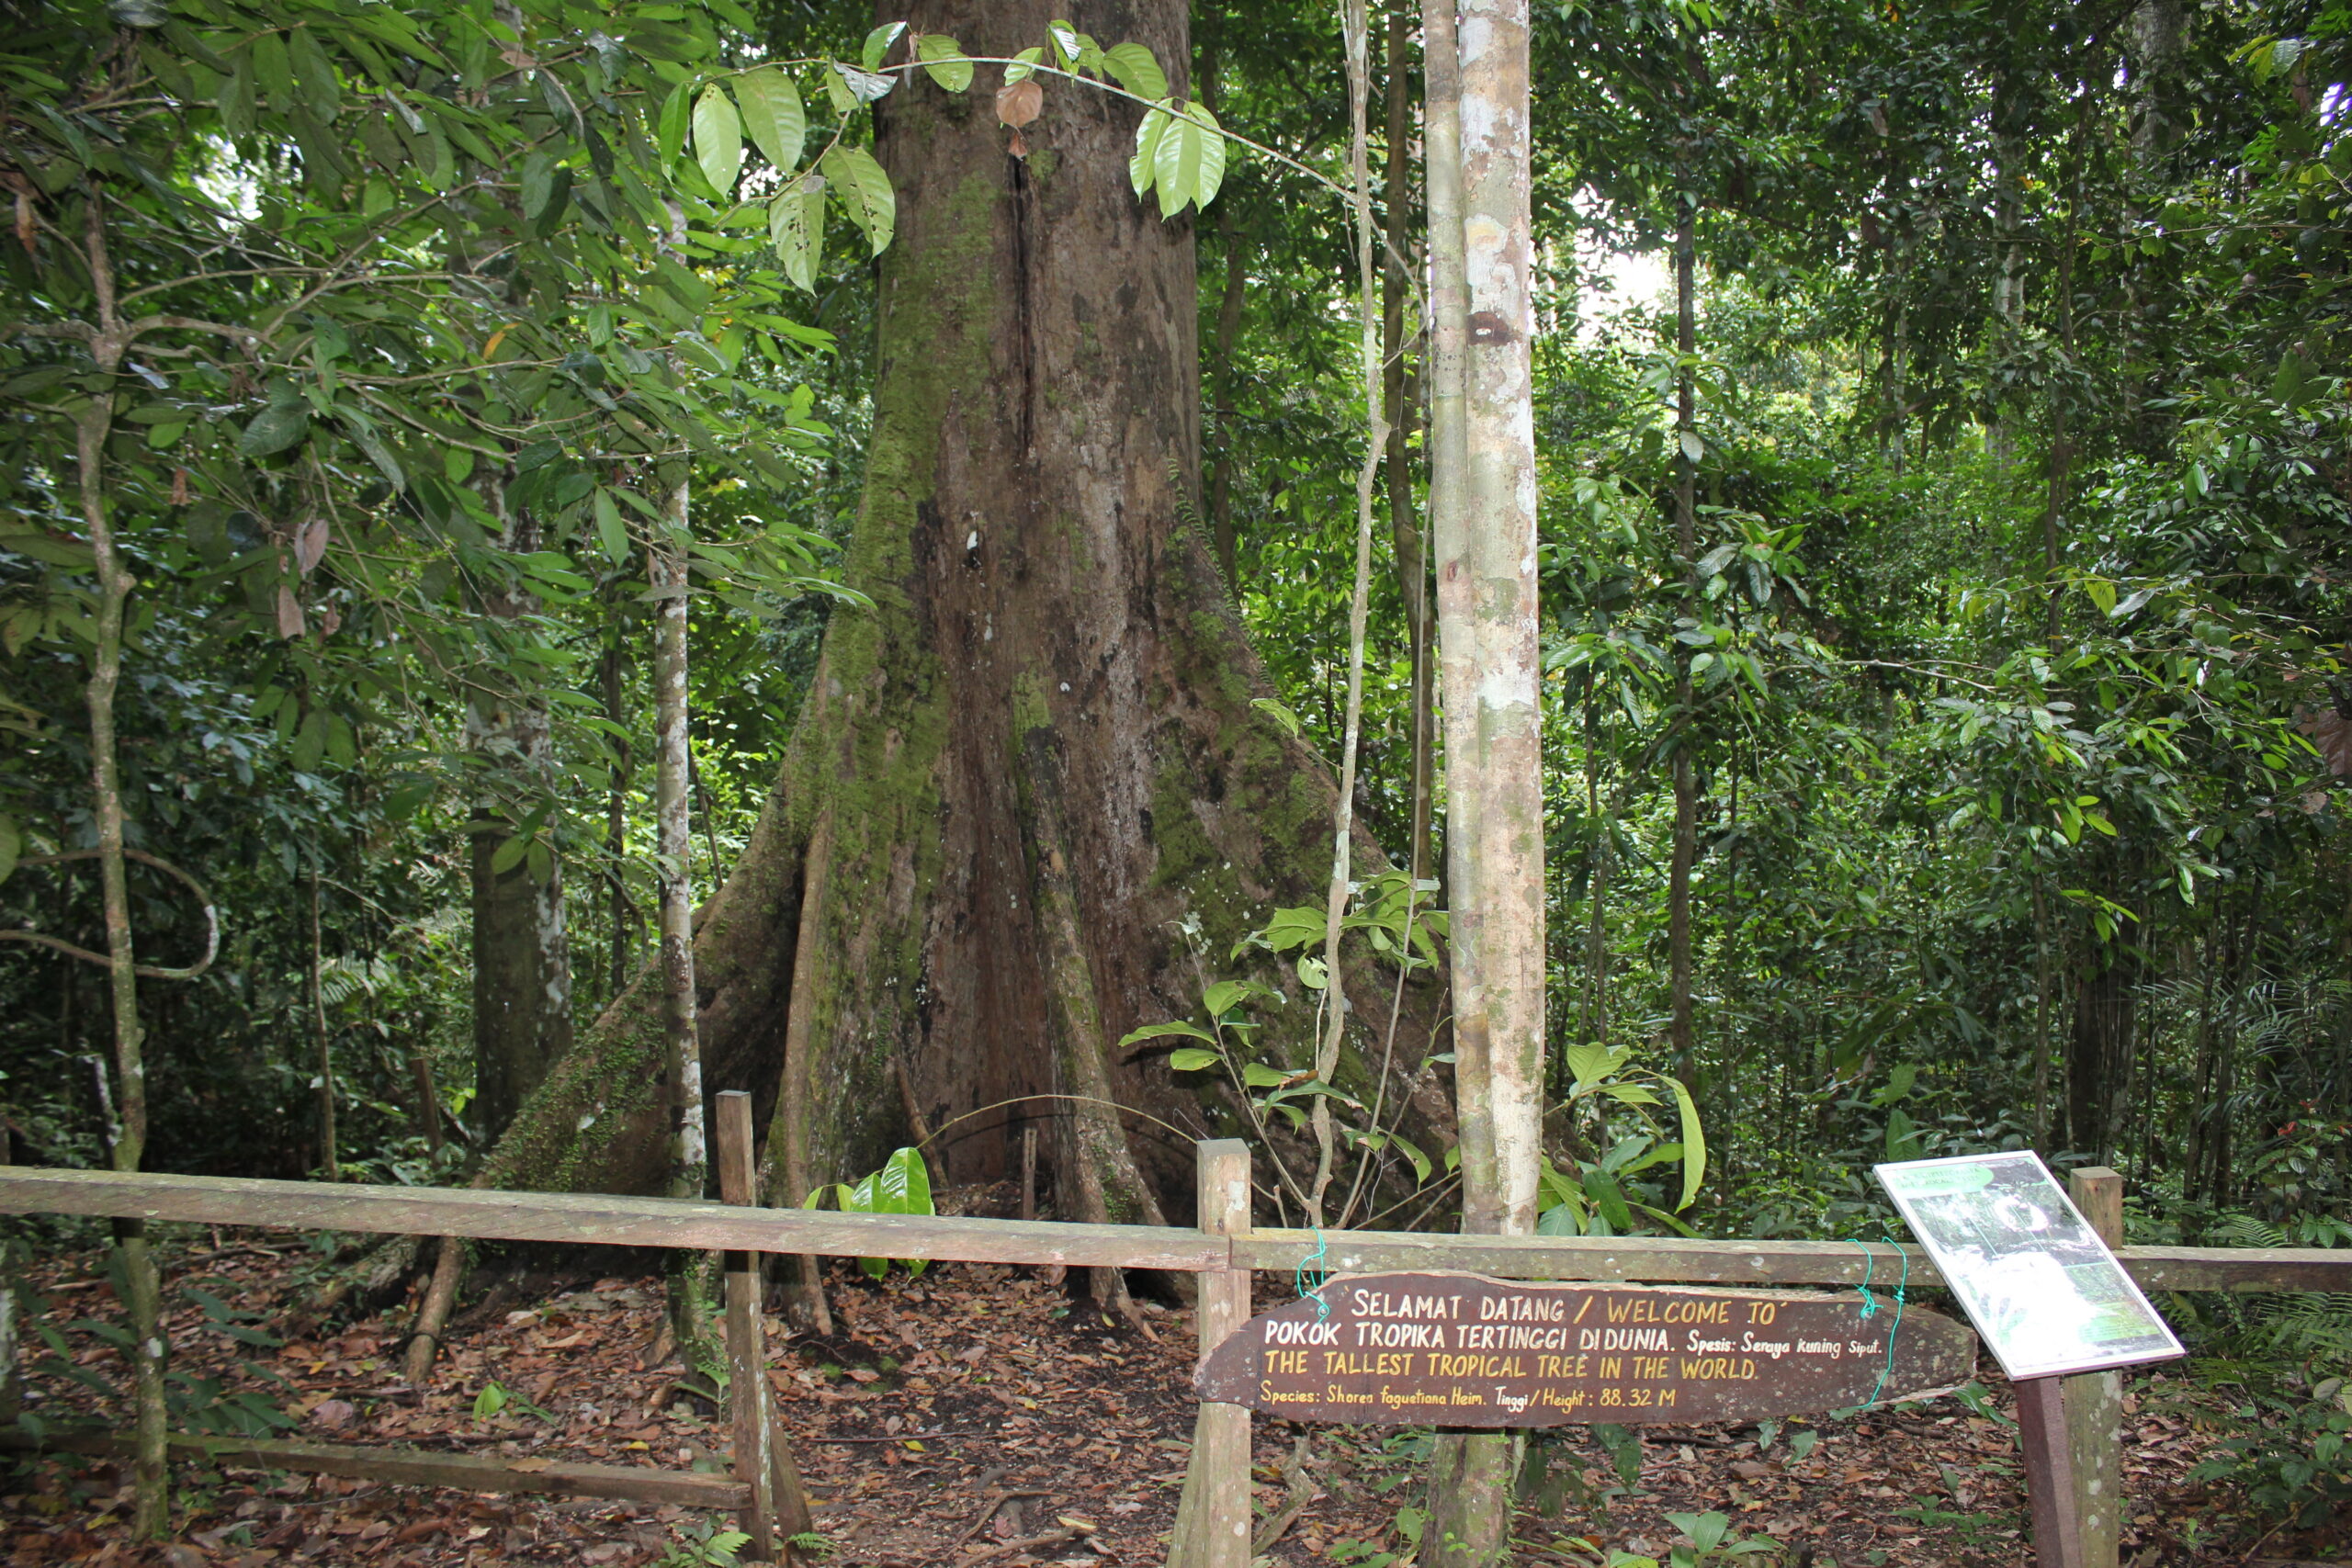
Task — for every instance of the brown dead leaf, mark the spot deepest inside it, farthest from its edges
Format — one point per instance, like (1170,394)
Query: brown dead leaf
(1019,103)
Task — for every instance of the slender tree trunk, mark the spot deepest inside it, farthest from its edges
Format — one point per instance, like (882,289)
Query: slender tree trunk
(1596,1029)
(151,1508)
(621,955)
(1491,675)
(1681,1032)
(665,560)
(1397,399)
(2041,994)
(521,959)
(1356,27)
(2009,155)
(329,1164)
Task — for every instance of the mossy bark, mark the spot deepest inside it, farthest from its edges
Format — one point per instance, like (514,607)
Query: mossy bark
(914,904)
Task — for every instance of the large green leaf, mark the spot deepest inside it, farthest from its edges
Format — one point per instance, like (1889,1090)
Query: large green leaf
(280,427)
(718,139)
(864,193)
(1694,1144)
(50,550)
(1143,167)
(670,128)
(774,114)
(1136,71)
(796,229)
(943,60)
(1162,1031)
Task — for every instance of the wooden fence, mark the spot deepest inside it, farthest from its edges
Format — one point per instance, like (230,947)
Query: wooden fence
(1213,1518)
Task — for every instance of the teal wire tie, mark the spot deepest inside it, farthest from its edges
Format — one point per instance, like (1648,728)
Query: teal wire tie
(1311,1263)
(1870,1308)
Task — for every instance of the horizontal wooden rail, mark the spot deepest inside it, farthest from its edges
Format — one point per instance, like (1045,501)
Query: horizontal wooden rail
(415,1467)
(594,1218)
(1667,1259)
(591,1218)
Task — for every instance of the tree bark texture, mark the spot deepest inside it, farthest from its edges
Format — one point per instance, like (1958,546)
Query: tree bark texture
(1034,760)
(1486,611)
(674,854)
(521,963)
(1490,673)
(1399,394)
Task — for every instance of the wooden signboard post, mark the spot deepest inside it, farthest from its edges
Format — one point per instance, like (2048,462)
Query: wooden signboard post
(1465,1350)
(2037,1274)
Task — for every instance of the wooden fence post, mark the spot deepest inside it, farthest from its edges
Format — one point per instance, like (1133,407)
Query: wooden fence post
(2049,1472)
(774,1508)
(2094,1400)
(1212,1518)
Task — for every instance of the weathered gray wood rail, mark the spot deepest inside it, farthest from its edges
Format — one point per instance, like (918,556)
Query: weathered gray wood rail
(595,1219)
(415,1467)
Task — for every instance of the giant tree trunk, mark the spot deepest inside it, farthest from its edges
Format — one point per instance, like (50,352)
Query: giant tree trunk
(1023,771)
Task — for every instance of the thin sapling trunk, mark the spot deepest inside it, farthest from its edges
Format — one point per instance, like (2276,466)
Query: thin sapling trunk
(674,852)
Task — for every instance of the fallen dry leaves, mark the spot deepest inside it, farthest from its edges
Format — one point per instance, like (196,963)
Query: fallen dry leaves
(975,1416)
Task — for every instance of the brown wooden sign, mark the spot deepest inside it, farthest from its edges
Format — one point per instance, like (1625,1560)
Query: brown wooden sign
(1465,1350)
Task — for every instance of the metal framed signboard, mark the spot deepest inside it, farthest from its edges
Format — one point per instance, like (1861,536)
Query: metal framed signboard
(2044,1291)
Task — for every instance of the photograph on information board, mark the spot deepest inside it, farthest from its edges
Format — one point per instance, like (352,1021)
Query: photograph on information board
(2036,1279)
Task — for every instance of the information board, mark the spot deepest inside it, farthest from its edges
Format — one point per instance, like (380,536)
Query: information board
(1465,1350)
(2034,1276)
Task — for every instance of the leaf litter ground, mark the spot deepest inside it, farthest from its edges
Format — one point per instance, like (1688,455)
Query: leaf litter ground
(980,1414)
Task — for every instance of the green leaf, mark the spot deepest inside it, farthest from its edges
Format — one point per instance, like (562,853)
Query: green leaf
(864,193)
(1694,1144)
(943,60)
(12,848)
(1143,167)
(314,73)
(904,1187)
(280,427)
(1693,449)
(2101,592)
(1588,1065)
(610,534)
(718,140)
(1162,1031)
(1138,72)
(1295,927)
(1226,995)
(492,1399)
(1190,1059)
(1421,1167)
(1603,1190)
(669,131)
(510,854)
(1213,149)
(1024,67)
(538,183)
(1256,1075)
(50,550)
(796,229)
(774,115)
(1188,162)
(878,42)
(1267,706)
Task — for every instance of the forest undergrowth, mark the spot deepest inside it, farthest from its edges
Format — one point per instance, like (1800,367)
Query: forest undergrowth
(981,1414)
